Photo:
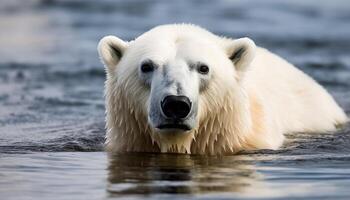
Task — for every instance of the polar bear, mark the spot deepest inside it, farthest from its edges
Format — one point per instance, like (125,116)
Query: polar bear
(179,88)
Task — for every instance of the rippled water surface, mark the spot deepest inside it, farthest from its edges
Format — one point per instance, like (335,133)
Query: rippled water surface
(52,108)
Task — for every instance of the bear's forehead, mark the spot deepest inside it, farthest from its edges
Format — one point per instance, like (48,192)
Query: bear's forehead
(175,46)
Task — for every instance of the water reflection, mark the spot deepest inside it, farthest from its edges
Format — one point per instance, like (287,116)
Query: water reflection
(145,174)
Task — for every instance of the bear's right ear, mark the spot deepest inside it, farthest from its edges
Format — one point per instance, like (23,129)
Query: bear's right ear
(111,50)
(241,52)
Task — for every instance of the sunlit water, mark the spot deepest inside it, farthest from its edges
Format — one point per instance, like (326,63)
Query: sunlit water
(52,108)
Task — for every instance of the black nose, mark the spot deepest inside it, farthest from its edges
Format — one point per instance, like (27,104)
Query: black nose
(176,107)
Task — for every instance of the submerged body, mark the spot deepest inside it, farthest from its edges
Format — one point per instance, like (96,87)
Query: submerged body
(179,88)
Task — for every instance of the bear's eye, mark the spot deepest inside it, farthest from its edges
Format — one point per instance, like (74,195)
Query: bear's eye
(203,69)
(147,67)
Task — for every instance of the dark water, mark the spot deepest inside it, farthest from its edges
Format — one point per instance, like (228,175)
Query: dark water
(52,108)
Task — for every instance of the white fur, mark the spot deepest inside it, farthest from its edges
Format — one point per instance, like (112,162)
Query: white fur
(249,103)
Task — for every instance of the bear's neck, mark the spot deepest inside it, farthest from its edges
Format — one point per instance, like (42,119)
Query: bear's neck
(224,129)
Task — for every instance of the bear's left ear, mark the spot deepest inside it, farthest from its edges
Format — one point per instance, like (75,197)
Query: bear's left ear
(241,52)
(111,49)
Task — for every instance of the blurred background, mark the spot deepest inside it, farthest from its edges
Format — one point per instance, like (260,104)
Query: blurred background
(51,80)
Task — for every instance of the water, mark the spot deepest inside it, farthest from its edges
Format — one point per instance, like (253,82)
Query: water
(52,108)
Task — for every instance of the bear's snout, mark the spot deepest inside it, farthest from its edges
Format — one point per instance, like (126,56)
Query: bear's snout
(176,107)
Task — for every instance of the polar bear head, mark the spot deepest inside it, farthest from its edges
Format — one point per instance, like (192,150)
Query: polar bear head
(170,83)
